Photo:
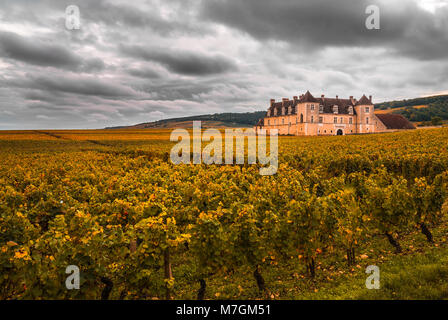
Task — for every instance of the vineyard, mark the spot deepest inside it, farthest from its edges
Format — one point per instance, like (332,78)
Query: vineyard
(138,227)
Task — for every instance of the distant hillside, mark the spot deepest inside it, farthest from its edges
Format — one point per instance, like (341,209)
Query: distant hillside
(418,110)
(217,120)
(422,110)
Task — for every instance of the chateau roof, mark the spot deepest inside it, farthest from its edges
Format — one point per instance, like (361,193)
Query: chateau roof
(395,121)
(327,103)
(343,105)
(364,101)
(307,97)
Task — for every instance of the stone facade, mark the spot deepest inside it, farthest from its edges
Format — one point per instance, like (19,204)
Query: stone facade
(310,116)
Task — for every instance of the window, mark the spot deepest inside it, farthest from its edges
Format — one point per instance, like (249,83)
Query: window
(283,111)
(321,119)
(301,118)
(289,110)
(321,109)
(367,120)
(275,112)
(350,110)
(312,107)
(367,109)
(269,122)
(312,119)
(283,121)
(350,120)
(341,120)
(335,120)
(335,109)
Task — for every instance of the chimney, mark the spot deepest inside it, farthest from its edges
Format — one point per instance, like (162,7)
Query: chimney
(301,96)
(337,97)
(272,102)
(295,98)
(284,100)
(370,98)
(323,97)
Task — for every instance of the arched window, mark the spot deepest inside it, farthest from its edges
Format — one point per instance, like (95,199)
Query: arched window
(301,118)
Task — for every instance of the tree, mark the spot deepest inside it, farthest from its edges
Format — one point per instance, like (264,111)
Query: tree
(436,121)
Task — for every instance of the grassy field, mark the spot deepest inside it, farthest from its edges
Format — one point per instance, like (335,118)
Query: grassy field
(72,196)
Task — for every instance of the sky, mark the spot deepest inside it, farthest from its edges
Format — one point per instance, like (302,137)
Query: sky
(138,61)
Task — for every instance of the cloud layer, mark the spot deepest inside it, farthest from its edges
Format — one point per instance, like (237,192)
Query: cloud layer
(145,60)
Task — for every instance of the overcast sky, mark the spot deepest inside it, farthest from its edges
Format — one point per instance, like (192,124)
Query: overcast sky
(138,61)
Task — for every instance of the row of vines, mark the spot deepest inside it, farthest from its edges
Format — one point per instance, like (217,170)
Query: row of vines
(138,227)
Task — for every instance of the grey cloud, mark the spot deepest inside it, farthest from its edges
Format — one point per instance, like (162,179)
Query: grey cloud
(313,24)
(145,73)
(172,58)
(81,86)
(182,62)
(19,48)
(147,16)
(39,53)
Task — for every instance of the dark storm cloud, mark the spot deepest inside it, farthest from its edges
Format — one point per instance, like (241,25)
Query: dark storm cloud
(19,48)
(147,17)
(80,85)
(142,60)
(39,53)
(145,73)
(182,62)
(315,24)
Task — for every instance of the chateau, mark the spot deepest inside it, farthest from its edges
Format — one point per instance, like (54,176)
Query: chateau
(310,116)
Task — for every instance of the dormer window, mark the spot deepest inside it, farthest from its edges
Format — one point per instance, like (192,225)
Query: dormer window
(350,110)
(335,109)
(275,112)
(269,113)
(321,109)
(289,110)
(283,111)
